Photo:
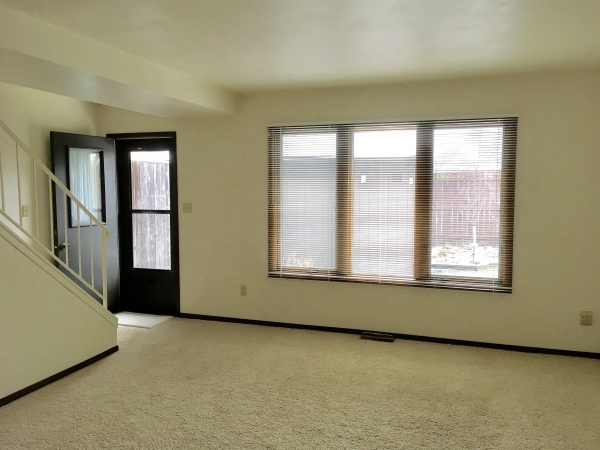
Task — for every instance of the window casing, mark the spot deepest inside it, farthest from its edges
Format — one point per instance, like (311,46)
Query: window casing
(427,203)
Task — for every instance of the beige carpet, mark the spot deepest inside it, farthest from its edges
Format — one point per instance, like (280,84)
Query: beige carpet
(195,385)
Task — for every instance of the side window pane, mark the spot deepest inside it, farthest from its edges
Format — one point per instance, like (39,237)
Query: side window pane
(308,199)
(384,202)
(465,222)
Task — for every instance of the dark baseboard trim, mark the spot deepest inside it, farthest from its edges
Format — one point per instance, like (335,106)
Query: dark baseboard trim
(51,379)
(410,337)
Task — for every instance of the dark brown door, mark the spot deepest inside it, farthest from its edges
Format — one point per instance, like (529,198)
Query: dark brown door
(87,166)
(148,223)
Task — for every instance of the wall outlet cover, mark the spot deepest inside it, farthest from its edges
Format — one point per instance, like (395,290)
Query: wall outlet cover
(586,318)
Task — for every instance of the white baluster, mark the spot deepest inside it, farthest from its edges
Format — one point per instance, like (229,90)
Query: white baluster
(2,179)
(18,183)
(104,272)
(50,202)
(92,251)
(35,199)
(66,228)
(79,239)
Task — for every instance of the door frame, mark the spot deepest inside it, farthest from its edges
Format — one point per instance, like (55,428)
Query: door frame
(174,196)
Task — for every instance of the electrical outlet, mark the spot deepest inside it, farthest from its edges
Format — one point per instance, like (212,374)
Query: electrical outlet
(24,210)
(187,208)
(243,290)
(586,318)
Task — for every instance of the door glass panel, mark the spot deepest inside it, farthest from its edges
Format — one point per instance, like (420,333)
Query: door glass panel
(150,180)
(85,181)
(151,241)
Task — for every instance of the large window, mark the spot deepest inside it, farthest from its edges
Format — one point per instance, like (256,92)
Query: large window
(425,203)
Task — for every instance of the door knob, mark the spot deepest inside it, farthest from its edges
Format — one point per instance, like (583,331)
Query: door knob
(63,246)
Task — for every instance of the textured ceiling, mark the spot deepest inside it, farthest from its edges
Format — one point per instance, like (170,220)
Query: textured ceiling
(265,44)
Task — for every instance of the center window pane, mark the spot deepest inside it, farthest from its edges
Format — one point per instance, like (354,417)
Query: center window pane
(384,202)
(150,189)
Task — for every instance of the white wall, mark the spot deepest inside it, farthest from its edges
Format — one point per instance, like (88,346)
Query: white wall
(44,327)
(31,115)
(223,171)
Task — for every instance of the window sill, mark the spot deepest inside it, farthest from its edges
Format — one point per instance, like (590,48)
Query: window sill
(481,285)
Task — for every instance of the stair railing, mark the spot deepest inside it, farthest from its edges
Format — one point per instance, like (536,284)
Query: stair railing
(24,181)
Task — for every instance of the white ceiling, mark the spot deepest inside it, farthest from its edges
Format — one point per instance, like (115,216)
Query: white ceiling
(246,45)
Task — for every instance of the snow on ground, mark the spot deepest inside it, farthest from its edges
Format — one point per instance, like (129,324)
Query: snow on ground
(484,260)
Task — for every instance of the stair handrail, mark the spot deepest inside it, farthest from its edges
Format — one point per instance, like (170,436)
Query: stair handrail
(54,178)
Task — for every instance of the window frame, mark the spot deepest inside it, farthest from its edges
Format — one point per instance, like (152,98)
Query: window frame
(424,175)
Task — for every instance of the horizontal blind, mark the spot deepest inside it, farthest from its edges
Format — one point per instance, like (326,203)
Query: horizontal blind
(426,203)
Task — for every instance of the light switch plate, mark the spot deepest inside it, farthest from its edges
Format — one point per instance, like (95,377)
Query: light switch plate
(187,208)
(24,210)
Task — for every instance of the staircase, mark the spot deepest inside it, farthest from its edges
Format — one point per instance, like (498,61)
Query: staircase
(27,189)
(53,314)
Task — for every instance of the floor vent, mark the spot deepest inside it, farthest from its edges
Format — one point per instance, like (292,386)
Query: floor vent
(372,336)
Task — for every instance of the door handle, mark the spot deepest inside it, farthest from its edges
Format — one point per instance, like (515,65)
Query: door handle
(63,246)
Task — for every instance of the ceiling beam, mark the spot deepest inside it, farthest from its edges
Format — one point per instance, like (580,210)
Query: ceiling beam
(42,56)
